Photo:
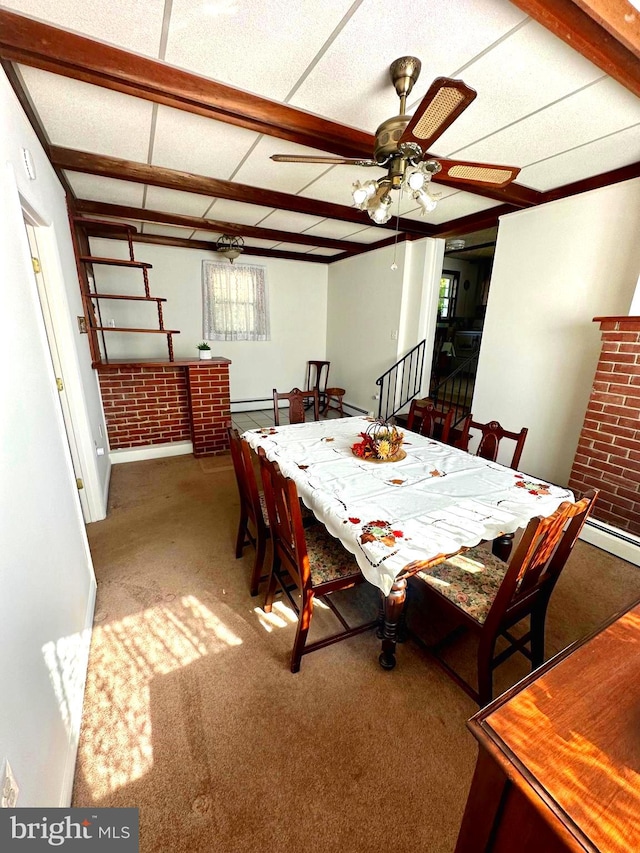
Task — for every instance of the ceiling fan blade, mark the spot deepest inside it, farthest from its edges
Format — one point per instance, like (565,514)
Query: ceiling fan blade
(335,161)
(442,104)
(464,174)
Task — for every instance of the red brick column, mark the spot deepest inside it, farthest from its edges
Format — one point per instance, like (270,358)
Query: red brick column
(210,407)
(161,402)
(608,455)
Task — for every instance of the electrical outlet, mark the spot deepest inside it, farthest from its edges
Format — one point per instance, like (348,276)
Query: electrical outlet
(394,335)
(10,790)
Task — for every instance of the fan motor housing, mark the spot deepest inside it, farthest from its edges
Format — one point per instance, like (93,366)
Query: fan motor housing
(387,137)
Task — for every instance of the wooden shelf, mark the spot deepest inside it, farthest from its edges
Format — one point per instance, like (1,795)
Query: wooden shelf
(138,331)
(134,298)
(114,262)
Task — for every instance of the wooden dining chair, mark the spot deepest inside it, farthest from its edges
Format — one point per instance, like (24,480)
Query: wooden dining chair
(309,560)
(317,378)
(426,419)
(490,596)
(253,528)
(297,401)
(491,434)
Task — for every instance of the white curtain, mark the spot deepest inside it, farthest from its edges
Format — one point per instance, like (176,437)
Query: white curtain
(235,302)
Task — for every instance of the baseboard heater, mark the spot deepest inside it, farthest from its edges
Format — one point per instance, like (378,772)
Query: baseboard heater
(629,538)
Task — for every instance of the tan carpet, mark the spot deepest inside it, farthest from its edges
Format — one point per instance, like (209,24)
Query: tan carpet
(191,713)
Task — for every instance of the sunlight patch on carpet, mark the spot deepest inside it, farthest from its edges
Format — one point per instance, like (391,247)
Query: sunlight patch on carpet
(126,655)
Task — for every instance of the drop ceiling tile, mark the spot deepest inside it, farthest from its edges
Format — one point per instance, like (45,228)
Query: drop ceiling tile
(336,184)
(333,228)
(211,236)
(203,146)
(600,109)
(90,118)
(542,69)
(259,244)
(134,25)
(324,251)
(238,212)
(453,207)
(288,220)
(176,201)
(618,150)
(351,81)
(371,235)
(260,171)
(291,247)
(166,230)
(97,188)
(256,46)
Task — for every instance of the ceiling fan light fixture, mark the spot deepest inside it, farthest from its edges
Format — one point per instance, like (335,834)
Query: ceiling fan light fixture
(426,201)
(229,247)
(454,245)
(363,192)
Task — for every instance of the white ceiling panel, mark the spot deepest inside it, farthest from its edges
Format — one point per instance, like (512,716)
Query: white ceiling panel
(176,201)
(542,69)
(261,244)
(333,228)
(211,236)
(237,211)
(371,234)
(600,109)
(90,118)
(351,81)
(96,188)
(290,247)
(288,220)
(323,251)
(260,171)
(166,230)
(453,207)
(193,143)
(262,47)
(134,25)
(617,150)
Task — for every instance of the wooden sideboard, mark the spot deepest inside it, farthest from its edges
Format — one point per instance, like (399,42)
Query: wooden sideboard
(559,762)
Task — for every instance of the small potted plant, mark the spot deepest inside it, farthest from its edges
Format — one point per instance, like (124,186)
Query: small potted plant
(205,350)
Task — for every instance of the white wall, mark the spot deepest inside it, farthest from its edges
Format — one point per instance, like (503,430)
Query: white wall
(377,314)
(556,267)
(47,585)
(297,303)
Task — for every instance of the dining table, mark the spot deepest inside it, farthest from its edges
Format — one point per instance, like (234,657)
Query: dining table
(401,516)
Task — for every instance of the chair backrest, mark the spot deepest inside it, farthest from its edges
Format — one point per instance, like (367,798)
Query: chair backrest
(285,520)
(538,560)
(296,399)
(427,420)
(317,375)
(245,476)
(491,434)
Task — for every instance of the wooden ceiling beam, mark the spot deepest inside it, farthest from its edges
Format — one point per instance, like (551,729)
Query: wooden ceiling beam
(99,208)
(127,170)
(182,243)
(474,222)
(615,176)
(617,18)
(49,48)
(589,37)
(515,194)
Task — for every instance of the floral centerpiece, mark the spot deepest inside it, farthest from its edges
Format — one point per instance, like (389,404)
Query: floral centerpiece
(382,442)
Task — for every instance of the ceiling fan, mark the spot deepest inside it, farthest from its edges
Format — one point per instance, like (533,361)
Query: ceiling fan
(402,144)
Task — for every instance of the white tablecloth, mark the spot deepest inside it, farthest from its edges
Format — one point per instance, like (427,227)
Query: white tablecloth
(388,515)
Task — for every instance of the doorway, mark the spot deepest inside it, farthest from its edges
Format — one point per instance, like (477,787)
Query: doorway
(39,274)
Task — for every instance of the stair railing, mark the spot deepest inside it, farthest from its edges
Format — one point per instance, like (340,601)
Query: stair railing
(456,390)
(402,382)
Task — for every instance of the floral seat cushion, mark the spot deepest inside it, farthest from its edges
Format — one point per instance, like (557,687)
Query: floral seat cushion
(328,560)
(470,580)
(263,507)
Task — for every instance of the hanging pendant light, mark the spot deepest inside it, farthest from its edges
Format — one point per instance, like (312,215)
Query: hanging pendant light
(229,247)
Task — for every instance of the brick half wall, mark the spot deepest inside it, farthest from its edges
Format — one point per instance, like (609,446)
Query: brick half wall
(163,403)
(608,455)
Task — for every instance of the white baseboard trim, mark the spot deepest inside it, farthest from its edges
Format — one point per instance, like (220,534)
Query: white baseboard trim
(620,544)
(151,451)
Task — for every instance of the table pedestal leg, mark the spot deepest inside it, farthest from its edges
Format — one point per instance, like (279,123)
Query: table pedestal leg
(502,546)
(394,604)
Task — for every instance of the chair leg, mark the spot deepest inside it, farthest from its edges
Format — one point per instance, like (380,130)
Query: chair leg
(537,619)
(271,586)
(304,622)
(486,651)
(242,534)
(258,563)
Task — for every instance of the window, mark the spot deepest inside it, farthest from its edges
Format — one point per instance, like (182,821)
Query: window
(235,302)
(448,293)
